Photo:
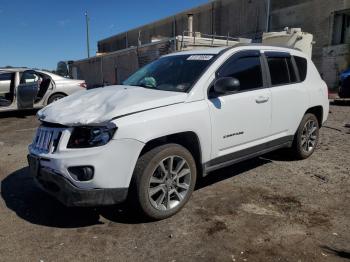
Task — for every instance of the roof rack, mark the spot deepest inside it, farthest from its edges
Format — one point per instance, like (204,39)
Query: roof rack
(207,40)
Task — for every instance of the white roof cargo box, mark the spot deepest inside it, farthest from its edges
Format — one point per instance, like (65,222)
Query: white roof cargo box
(290,37)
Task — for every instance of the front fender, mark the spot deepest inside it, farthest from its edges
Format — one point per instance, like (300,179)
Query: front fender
(152,124)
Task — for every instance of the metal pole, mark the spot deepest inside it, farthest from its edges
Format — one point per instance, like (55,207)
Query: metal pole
(139,39)
(87,34)
(174,26)
(182,40)
(190,24)
(212,18)
(268,9)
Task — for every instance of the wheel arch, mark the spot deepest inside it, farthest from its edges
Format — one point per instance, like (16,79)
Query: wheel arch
(318,112)
(187,139)
(55,93)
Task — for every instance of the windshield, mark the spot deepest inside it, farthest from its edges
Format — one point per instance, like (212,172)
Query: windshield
(173,73)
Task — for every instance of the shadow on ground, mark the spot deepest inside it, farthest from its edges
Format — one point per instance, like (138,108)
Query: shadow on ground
(340,102)
(336,252)
(18,114)
(231,171)
(22,195)
(284,154)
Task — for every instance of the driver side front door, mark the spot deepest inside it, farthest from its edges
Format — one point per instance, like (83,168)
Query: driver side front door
(241,121)
(27,89)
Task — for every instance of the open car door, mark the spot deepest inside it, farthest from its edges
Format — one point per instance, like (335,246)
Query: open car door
(27,89)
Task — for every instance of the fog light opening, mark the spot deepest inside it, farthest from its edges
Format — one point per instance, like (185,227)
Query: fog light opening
(81,173)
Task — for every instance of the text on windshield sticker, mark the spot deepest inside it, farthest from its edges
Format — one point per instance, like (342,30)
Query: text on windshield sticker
(200,57)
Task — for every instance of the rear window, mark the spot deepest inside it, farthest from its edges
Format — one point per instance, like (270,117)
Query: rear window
(282,70)
(302,67)
(278,70)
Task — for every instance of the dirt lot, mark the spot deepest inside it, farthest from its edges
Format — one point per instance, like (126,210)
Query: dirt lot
(266,209)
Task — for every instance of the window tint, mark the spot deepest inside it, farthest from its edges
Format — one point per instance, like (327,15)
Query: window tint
(29,77)
(278,70)
(5,77)
(246,69)
(302,67)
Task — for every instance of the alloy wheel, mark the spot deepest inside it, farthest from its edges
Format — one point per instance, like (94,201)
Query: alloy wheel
(309,136)
(169,183)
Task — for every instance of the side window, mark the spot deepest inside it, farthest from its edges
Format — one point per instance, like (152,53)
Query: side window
(5,77)
(5,82)
(29,77)
(278,70)
(302,67)
(246,69)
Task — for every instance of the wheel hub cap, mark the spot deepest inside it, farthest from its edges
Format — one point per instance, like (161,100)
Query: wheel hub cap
(169,182)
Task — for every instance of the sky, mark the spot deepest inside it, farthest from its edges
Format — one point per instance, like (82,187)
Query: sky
(40,33)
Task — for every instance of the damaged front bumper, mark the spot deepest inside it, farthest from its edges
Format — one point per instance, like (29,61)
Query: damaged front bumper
(112,167)
(70,195)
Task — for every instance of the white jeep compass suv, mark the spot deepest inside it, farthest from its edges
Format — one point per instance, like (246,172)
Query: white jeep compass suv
(178,118)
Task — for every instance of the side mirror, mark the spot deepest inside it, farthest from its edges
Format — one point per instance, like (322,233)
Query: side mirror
(226,85)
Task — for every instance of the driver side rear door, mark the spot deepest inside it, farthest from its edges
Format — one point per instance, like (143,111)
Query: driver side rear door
(27,89)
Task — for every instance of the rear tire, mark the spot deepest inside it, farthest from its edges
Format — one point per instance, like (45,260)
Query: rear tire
(306,137)
(55,97)
(163,181)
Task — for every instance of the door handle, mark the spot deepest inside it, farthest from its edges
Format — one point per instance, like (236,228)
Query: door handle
(261,99)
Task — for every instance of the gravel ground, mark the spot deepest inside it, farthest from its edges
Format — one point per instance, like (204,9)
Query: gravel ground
(267,209)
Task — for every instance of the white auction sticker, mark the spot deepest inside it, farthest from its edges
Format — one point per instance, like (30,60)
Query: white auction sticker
(200,57)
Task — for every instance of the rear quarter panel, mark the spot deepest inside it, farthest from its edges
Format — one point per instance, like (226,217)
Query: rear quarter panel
(318,90)
(66,87)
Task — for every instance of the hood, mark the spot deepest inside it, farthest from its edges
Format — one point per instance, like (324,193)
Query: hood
(102,104)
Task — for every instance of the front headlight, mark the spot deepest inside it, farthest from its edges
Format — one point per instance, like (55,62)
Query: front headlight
(90,136)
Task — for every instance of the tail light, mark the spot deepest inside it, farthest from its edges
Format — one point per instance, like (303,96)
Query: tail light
(83,85)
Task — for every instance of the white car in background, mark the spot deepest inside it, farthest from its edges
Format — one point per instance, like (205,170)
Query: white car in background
(178,118)
(23,88)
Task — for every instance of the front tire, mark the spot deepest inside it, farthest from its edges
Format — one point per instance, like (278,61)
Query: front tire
(306,137)
(164,179)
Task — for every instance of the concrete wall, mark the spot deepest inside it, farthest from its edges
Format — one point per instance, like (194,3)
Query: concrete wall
(247,18)
(316,17)
(115,67)
(108,69)
(222,17)
(335,60)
